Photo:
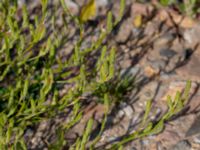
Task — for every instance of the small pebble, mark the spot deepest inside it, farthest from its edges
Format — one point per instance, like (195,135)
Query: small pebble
(168,53)
(128,111)
(164,40)
(158,64)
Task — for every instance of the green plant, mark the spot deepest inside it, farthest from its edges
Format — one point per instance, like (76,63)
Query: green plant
(32,74)
(190,7)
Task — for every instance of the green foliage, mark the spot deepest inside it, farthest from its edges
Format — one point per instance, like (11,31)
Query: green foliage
(30,79)
(32,73)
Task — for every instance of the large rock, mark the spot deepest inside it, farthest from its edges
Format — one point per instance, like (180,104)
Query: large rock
(124,31)
(191,71)
(192,35)
(182,145)
(195,128)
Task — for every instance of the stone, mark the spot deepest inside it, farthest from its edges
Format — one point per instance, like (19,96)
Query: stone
(141,9)
(168,138)
(158,64)
(192,35)
(133,148)
(194,103)
(195,128)
(130,71)
(182,124)
(149,90)
(175,131)
(191,71)
(43,125)
(124,31)
(197,139)
(172,64)
(164,40)
(128,110)
(182,145)
(151,28)
(167,76)
(157,146)
(135,51)
(178,45)
(145,142)
(167,53)
(126,63)
(124,48)
(195,146)
(136,32)
(145,42)
(134,70)
(150,71)
(178,59)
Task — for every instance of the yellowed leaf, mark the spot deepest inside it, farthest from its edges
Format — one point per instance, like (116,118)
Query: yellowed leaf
(137,21)
(88,11)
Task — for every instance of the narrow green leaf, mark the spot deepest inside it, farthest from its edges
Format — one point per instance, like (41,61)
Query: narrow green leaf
(109,22)
(169,102)
(86,134)
(106,101)
(25,89)
(44,6)
(147,111)
(25,16)
(11,98)
(177,98)
(78,144)
(22,144)
(112,63)
(39,33)
(9,130)
(3,119)
(7,69)
(158,128)
(121,11)
(148,128)
(48,83)
(33,105)
(186,91)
